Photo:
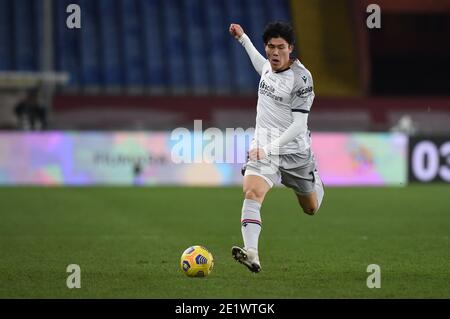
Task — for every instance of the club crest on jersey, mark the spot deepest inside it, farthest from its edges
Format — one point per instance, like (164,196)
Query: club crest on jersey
(304,78)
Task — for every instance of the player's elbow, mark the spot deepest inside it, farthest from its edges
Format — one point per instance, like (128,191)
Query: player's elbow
(299,127)
(302,131)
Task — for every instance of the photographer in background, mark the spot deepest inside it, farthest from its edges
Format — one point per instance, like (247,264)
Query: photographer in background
(30,114)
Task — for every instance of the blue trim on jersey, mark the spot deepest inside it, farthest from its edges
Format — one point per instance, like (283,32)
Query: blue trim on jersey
(301,111)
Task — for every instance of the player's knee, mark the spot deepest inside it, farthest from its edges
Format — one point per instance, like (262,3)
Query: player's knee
(310,209)
(253,193)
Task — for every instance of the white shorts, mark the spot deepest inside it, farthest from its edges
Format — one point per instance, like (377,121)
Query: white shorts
(297,171)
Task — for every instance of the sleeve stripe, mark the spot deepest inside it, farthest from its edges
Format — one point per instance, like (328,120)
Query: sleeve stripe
(302,111)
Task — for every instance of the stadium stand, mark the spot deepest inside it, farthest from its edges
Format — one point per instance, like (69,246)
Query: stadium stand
(153,64)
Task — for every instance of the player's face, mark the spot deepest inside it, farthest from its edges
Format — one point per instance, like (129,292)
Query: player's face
(278,50)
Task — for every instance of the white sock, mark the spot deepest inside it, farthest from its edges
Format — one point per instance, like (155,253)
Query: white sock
(251,224)
(318,186)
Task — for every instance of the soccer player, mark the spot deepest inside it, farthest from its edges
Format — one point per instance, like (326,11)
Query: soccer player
(281,148)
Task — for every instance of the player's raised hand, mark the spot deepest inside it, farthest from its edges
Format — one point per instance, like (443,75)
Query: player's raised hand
(236,30)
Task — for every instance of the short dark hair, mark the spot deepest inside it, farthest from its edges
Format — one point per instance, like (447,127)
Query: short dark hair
(279,29)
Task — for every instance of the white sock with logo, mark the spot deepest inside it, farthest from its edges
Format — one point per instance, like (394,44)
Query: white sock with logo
(251,224)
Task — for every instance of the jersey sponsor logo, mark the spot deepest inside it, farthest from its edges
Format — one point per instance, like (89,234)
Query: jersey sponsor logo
(304,91)
(269,91)
(267,87)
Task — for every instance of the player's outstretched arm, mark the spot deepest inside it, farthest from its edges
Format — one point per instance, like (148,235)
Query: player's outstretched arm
(257,59)
(298,126)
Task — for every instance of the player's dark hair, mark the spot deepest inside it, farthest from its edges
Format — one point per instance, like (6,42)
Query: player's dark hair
(279,29)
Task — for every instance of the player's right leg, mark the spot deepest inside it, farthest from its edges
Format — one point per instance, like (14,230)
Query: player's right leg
(255,188)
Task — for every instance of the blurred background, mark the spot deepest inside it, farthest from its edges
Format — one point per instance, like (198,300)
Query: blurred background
(150,66)
(157,93)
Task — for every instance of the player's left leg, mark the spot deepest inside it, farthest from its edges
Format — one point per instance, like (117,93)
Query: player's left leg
(299,172)
(310,202)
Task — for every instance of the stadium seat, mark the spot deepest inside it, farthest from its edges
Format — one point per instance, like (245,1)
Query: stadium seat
(196,46)
(133,58)
(6,52)
(66,44)
(153,37)
(277,10)
(25,34)
(244,76)
(170,46)
(89,45)
(110,61)
(174,46)
(219,52)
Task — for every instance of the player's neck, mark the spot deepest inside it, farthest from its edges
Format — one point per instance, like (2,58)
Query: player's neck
(286,67)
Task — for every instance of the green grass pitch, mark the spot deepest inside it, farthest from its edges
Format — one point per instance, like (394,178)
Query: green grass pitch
(128,242)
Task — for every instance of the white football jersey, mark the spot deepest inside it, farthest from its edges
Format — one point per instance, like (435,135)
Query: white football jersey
(280,94)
